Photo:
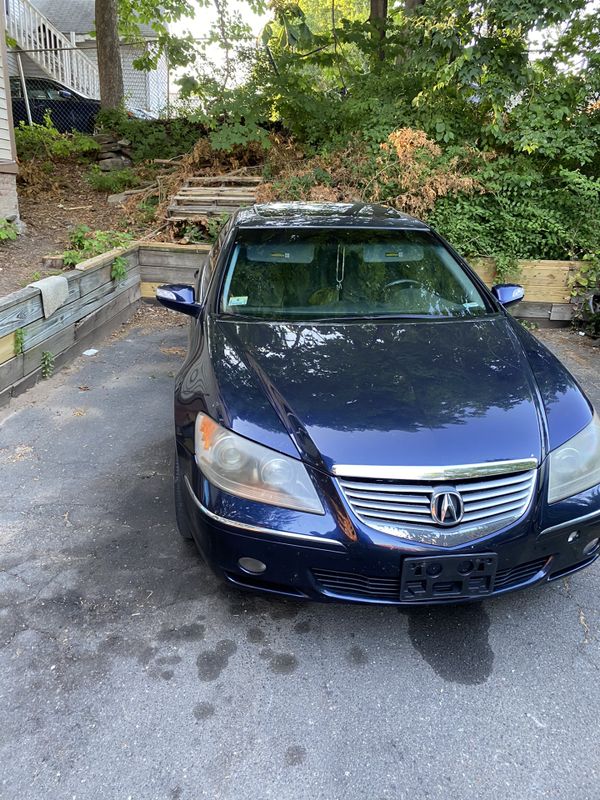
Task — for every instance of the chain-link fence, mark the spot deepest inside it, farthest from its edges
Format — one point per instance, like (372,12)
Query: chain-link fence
(62,83)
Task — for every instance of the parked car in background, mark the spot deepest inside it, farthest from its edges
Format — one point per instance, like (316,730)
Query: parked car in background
(359,418)
(68,110)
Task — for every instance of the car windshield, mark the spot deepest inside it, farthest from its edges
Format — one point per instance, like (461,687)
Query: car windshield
(330,273)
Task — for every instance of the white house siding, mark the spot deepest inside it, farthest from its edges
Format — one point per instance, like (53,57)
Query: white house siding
(6,142)
(9,206)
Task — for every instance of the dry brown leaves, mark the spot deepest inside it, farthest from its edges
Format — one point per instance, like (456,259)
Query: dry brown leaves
(409,159)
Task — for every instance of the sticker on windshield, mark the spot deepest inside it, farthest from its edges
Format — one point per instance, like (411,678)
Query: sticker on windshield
(238,301)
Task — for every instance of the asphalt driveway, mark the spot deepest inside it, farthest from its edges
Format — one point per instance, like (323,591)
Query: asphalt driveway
(128,671)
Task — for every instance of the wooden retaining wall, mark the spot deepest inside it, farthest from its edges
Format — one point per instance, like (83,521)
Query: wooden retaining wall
(169,263)
(95,304)
(547,288)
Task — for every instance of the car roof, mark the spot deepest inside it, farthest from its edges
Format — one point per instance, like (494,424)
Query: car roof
(321,215)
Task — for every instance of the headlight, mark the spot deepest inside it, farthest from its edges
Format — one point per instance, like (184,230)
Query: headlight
(575,465)
(249,470)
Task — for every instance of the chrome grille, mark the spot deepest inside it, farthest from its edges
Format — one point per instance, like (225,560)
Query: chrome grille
(404,509)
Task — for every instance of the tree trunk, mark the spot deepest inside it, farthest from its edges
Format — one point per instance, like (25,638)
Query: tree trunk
(410,5)
(378,16)
(109,54)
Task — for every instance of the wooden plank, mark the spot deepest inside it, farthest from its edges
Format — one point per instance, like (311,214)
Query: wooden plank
(17,298)
(38,331)
(7,347)
(561,311)
(170,274)
(97,262)
(201,211)
(529,310)
(54,344)
(148,289)
(233,190)
(221,202)
(543,295)
(150,247)
(11,372)
(22,312)
(97,318)
(92,279)
(242,179)
(195,196)
(171,260)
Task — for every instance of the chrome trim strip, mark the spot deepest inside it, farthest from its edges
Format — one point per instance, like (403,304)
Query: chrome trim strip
(433,473)
(257,528)
(572,523)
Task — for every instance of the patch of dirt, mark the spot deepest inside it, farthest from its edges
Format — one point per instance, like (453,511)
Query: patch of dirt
(150,317)
(49,214)
(570,340)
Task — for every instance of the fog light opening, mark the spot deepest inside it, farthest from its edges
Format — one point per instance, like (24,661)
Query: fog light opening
(573,536)
(590,547)
(252,565)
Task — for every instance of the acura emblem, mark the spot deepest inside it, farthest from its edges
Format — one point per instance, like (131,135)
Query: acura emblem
(447,507)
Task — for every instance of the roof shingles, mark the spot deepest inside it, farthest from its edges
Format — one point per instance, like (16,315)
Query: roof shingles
(75,16)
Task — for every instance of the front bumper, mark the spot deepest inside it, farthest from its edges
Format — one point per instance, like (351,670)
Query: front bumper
(345,563)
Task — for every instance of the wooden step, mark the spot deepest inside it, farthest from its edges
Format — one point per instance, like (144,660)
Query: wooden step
(187,212)
(211,190)
(212,201)
(224,179)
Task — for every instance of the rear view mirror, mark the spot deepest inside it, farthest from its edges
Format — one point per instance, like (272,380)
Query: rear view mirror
(508,293)
(179,297)
(65,93)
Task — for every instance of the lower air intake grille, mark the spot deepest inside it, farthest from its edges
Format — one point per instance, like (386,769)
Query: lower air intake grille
(351,583)
(516,575)
(376,588)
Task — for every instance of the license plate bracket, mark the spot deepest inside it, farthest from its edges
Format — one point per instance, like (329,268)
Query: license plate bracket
(448,576)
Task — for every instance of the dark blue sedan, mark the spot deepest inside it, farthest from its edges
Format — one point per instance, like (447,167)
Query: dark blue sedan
(358,418)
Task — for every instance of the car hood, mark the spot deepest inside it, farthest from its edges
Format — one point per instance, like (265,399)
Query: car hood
(414,393)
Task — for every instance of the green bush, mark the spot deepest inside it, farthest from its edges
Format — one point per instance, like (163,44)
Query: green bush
(86,243)
(45,142)
(150,139)
(8,231)
(111,182)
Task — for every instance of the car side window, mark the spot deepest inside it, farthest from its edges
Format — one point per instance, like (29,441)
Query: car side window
(15,89)
(208,269)
(37,89)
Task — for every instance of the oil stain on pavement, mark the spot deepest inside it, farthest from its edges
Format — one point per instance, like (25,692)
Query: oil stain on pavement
(453,640)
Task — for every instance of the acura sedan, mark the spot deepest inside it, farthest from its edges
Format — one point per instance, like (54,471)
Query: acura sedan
(359,418)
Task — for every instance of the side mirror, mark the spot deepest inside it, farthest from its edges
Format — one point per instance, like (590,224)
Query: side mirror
(179,297)
(508,293)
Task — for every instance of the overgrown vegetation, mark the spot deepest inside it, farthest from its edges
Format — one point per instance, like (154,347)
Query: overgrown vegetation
(86,243)
(44,142)
(162,138)
(586,294)
(112,182)
(8,231)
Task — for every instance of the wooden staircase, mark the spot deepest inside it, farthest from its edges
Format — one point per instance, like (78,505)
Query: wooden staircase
(212,196)
(51,50)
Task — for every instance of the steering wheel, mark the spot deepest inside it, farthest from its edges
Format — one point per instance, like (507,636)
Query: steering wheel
(402,280)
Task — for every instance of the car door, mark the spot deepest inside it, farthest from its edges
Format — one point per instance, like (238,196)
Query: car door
(68,110)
